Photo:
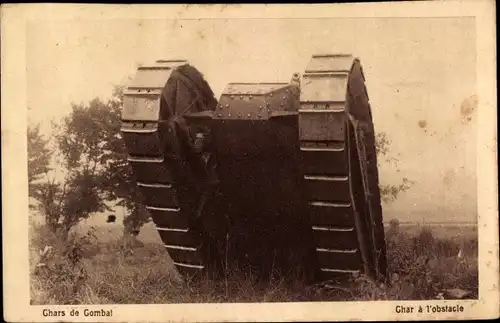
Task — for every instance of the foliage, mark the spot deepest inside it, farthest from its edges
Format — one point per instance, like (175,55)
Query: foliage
(96,172)
(39,155)
(77,193)
(59,273)
(56,199)
(390,192)
(96,129)
(118,180)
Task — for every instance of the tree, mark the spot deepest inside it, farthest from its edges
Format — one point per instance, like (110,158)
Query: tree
(39,155)
(119,181)
(92,160)
(94,151)
(93,171)
(67,199)
(390,192)
(44,190)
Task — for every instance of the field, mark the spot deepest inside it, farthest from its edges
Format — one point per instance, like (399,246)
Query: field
(438,262)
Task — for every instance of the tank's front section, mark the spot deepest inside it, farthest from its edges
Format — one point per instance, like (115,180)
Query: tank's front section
(255,136)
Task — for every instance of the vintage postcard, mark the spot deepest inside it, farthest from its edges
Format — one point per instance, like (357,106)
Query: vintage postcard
(202,163)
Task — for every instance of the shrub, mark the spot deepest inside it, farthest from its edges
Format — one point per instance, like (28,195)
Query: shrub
(423,267)
(59,272)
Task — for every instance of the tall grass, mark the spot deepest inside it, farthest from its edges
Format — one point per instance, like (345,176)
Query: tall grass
(83,270)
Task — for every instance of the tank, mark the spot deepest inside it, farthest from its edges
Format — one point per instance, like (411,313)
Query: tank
(269,179)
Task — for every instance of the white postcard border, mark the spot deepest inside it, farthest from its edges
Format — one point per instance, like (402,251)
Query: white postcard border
(14,174)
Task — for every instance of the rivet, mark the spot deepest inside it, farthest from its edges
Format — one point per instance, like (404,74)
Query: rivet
(268,111)
(260,107)
(249,115)
(268,104)
(241,97)
(219,115)
(284,98)
(232,96)
(250,97)
(229,115)
(270,94)
(227,105)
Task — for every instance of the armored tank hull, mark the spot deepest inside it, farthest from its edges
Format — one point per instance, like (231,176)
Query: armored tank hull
(271,178)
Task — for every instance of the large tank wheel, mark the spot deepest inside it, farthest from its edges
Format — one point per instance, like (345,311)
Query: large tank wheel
(169,169)
(337,144)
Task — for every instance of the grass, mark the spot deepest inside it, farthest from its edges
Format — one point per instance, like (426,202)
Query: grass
(85,270)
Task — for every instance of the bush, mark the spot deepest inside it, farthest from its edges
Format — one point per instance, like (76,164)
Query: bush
(424,267)
(59,272)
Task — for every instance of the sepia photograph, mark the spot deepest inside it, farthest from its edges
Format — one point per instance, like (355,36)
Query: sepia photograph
(241,154)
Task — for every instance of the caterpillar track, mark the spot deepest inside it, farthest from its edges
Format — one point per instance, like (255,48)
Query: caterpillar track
(340,168)
(284,170)
(157,162)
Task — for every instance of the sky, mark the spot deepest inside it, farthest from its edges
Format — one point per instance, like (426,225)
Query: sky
(420,75)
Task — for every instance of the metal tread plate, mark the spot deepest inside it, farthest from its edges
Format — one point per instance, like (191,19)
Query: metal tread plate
(179,238)
(151,170)
(159,195)
(184,255)
(143,144)
(330,63)
(338,239)
(324,160)
(321,125)
(346,259)
(323,88)
(167,217)
(150,77)
(328,189)
(331,214)
(141,106)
